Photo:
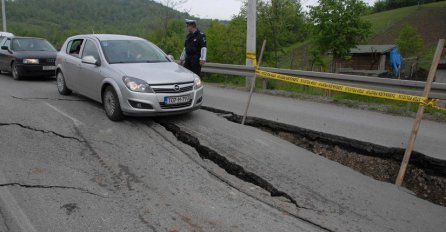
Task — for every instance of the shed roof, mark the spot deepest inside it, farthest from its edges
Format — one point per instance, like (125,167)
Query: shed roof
(363,49)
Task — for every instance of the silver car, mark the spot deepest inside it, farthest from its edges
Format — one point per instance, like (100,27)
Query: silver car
(128,75)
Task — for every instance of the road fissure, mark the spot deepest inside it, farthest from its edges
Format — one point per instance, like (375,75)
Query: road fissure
(42,131)
(16,184)
(233,168)
(426,178)
(47,98)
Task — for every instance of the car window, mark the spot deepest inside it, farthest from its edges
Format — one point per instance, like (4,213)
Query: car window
(132,51)
(90,49)
(7,43)
(31,44)
(74,47)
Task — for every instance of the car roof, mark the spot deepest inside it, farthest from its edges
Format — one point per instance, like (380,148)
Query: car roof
(24,37)
(4,33)
(103,37)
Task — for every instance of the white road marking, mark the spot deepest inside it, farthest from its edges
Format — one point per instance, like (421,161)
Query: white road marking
(13,209)
(75,121)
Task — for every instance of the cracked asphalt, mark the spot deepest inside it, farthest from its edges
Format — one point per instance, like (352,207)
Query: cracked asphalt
(66,167)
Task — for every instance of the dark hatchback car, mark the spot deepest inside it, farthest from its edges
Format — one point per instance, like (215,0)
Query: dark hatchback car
(27,57)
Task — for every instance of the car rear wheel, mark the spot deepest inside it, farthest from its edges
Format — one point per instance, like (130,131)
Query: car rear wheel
(15,72)
(111,104)
(62,85)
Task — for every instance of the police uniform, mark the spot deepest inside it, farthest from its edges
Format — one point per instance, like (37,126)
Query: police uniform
(194,50)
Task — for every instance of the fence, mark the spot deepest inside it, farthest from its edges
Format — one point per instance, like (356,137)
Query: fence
(376,83)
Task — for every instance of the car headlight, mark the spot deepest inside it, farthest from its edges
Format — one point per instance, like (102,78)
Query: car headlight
(31,61)
(137,85)
(197,83)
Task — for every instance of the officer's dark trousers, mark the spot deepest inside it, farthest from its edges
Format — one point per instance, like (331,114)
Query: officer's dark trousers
(193,64)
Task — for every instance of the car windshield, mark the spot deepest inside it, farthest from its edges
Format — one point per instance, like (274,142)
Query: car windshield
(32,44)
(132,51)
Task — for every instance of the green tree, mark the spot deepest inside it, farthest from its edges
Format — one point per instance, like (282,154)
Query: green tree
(226,42)
(409,42)
(235,41)
(281,23)
(172,42)
(337,26)
(216,41)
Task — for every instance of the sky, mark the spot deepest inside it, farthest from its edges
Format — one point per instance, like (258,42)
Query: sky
(223,9)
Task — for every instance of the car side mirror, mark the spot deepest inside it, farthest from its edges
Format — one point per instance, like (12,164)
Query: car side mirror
(6,48)
(91,60)
(171,58)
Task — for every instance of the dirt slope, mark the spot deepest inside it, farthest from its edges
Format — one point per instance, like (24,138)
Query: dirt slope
(429,21)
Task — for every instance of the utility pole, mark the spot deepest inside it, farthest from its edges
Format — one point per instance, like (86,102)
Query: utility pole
(4,15)
(251,36)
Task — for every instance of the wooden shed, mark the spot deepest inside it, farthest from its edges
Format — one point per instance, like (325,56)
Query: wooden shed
(367,58)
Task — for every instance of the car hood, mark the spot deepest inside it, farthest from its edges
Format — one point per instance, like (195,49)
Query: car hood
(156,73)
(35,54)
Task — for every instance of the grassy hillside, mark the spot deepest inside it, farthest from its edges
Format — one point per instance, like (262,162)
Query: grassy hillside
(429,20)
(57,19)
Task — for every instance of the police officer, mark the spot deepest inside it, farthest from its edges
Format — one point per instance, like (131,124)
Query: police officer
(194,52)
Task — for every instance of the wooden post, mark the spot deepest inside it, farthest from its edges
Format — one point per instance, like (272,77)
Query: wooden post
(253,84)
(416,126)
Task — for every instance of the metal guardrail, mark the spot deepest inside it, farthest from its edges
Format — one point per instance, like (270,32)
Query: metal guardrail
(376,83)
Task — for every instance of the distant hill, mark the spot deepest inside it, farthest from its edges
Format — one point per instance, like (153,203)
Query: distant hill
(429,20)
(58,19)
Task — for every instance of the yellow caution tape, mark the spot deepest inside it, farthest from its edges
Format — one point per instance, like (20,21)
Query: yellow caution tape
(439,108)
(353,90)
(252,56)
(433,103)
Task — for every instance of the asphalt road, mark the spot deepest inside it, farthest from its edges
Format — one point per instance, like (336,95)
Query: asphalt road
(363,125)
(66,167)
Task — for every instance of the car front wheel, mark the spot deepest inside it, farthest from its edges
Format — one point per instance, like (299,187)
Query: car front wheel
(111,104)
(62,85)
(15,72)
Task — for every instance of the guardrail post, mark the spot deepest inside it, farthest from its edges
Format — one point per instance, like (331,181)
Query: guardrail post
(264,83)
(416,126)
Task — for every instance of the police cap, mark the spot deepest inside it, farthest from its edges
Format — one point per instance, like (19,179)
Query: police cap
(191,22)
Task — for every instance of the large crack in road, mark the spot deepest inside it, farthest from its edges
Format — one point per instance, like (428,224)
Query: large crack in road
(235,169)
(30,186)
(47,98)
(41,131)
(426,175)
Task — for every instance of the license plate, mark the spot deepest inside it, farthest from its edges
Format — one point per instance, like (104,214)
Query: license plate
(176,100)
(47,68)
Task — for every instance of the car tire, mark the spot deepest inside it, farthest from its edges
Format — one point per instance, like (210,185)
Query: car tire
(15,72)
(62,85)
(111,104)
